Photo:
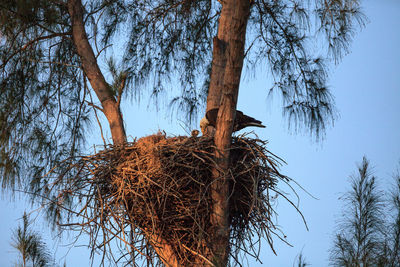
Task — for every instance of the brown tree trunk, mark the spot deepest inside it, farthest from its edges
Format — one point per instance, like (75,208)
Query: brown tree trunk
(97,81)
(217,71)
(110,108)
(164,251)
(230,45)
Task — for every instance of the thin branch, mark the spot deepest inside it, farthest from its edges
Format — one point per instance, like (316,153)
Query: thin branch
(31,42)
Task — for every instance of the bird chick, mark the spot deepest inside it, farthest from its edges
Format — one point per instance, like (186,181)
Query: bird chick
(195,133)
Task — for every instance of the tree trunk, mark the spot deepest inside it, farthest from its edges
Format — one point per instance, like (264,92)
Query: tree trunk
(230,51)
(217,71)
(110,108)
(97,81)
(164,251)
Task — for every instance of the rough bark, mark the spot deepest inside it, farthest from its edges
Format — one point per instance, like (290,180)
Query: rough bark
(97,81)
(231,36)
(164,251)
(217,70)
(110,107)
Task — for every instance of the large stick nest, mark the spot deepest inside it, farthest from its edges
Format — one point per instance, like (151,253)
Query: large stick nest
(163,185)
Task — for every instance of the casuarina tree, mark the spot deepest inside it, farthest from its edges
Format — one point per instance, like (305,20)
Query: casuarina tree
(368,232)
(53,83)
(30,245)
(361,232)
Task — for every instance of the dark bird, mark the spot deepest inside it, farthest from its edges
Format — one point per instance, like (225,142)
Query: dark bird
(241,121)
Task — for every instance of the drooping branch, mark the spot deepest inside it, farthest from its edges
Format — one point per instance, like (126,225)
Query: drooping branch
(30,43)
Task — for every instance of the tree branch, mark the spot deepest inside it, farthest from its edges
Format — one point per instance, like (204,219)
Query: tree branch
(94,74)
(31,42)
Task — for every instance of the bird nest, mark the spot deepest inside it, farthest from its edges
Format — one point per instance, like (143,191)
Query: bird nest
(163,184)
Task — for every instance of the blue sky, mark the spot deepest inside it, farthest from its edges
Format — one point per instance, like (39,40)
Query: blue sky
(366,86)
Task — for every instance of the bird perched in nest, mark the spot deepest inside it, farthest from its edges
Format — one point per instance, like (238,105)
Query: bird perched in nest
(194,133)
(207,124)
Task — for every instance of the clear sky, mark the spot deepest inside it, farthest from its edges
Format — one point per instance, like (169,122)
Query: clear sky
(366,85)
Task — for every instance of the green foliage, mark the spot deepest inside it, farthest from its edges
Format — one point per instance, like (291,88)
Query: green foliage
(285,37)
(390,255)
(360,234)
(42,116)
(119,77)
(30,245)
(368,235)
(173,39)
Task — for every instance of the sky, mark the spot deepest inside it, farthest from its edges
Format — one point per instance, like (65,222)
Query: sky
(366,86)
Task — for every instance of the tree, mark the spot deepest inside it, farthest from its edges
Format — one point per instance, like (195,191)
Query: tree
(369,232)
(30,245)
(50,67)
(390,251)
(360,234)
(300,261)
